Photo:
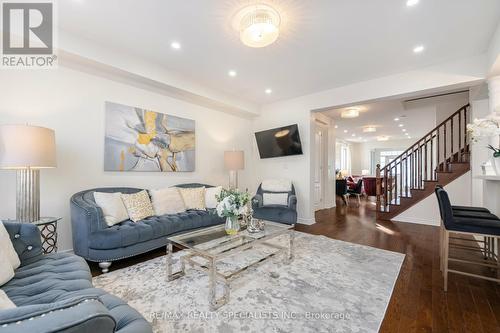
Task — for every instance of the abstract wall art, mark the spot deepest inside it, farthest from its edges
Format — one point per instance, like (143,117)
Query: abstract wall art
(137,139)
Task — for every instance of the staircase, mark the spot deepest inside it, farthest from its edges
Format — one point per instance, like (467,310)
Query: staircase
(439,157)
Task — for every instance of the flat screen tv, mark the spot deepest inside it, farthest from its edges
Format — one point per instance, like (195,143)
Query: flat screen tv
(277,142)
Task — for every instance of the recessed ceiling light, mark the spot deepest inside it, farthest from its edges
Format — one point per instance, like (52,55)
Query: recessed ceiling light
(336,126)
(411,3)
(401,125)
(382,138)
(369,129)
(409,137)
(175,45)
(404,130)
(268,91)
(350,113)
(353,134)
(232,73)
(345,131)
(396,119)
(418,49)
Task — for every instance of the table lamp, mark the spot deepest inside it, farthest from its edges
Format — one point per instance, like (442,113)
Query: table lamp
(234,160)
(27,149)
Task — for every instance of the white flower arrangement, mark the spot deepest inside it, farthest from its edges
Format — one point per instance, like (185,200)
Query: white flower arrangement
(232,203)
(485,127)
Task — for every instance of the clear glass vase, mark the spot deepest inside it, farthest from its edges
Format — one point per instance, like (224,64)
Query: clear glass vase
(232,225)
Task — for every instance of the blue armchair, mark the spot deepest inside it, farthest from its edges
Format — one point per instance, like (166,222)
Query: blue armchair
(277,213)
(54,293)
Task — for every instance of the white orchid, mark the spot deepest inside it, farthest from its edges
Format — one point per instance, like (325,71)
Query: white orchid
(485,127)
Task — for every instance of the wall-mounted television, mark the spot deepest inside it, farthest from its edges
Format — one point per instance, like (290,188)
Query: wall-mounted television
(277,142)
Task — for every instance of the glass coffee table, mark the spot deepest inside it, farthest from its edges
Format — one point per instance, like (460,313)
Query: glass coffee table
(212,244)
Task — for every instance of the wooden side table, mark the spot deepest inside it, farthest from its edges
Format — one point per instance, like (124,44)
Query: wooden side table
(48,230)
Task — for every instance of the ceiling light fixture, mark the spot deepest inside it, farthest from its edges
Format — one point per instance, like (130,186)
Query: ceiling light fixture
(418,49)
(369,129)
(258,25)
(401,125)
(350,113)
(396,119)
(382,138)
(268,91)
(175,45)
(411,3)
(232,73)
(336,126)
(353,134)
(404,130)
(345,131)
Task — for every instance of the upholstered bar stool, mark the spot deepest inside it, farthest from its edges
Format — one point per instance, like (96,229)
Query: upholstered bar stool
(471,226)
(488,243)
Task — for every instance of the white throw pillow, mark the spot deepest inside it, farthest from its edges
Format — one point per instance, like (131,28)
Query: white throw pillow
(167,201)
(6,270)
(112,206)
(210,196)
(8,248)
(277,185)
(275,199)
(5,302)
(194,198)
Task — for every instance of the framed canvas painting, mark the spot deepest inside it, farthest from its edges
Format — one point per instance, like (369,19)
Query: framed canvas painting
(143,140)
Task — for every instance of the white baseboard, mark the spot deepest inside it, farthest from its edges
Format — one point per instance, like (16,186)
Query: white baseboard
(306,221)
(416,220)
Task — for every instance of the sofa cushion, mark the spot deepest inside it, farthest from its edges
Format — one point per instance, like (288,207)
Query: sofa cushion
(49,279)
(138,205)
(129,233)
(194,198)
(167,201)
(8,248)
(112,206)
(276,214)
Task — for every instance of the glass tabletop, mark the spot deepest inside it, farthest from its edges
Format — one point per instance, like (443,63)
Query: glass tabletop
(214,240)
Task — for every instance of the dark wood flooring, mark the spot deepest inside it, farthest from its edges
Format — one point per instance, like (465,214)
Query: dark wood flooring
(418,303)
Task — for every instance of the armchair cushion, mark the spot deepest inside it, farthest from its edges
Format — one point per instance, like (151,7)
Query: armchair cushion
(280,199)
(276,214)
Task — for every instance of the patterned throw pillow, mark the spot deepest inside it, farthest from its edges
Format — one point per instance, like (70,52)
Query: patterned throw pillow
(138,205)
(194,198)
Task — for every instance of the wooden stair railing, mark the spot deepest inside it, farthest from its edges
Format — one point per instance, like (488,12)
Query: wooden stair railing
(399,181)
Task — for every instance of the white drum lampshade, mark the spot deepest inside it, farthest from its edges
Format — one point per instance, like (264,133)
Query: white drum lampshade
(27,149)
(234,161)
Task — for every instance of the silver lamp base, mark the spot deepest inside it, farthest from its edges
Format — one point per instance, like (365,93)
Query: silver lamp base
(28,195)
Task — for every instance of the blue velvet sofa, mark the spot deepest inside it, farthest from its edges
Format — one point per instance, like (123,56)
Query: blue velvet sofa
(96,242)
(276,213)
(54,293)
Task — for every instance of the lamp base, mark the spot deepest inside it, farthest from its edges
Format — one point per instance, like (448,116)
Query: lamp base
(28,195)
(233,179)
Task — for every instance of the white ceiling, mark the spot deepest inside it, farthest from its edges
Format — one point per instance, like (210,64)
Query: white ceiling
(416,116)
(324,43)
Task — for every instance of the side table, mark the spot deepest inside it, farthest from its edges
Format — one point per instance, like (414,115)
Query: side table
(48,230)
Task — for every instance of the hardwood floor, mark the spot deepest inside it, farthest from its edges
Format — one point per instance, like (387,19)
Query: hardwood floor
(418,303)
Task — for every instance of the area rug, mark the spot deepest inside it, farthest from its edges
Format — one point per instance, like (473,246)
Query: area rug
(330,286)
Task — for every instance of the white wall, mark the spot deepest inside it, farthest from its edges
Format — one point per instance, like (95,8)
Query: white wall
(427,210)
(72,103)
(361,152)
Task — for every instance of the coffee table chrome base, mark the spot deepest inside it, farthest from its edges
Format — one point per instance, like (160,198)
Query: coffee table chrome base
(214,276)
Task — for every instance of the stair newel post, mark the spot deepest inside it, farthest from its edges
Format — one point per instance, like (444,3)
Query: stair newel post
(379,187)
(460,154)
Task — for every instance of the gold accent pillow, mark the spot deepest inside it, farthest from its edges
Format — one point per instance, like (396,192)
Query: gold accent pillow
(138,205)
(194,198)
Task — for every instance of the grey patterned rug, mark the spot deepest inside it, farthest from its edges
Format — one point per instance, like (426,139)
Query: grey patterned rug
(330,286)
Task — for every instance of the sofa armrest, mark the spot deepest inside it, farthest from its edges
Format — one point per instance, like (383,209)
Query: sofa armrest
(26,240)
(292,201)
(76,315)
(257,201)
